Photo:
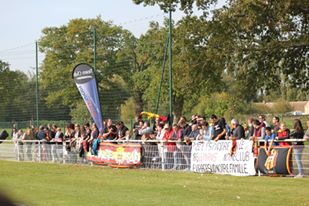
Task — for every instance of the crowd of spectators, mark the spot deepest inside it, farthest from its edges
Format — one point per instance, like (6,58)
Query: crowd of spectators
(86,138)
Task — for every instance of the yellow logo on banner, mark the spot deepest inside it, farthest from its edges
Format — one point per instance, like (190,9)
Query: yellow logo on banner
(118,155)
(271,160)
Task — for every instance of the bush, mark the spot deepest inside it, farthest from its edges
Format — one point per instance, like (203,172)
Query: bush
(127,110)
(260,108)
(221,104)
(80,113)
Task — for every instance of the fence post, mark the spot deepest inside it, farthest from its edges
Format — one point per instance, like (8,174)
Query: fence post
(39,145)
(63,151)
(162,156)
(17,146)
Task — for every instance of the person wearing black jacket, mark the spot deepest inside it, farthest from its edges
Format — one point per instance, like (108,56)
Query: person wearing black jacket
(238,131)
(219,127)
(298,146)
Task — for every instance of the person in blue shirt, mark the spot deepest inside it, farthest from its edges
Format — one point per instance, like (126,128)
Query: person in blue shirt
(208,131)
(269,139)
(41,134)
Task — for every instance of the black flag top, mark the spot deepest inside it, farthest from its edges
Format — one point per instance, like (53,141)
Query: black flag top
(84,78)
(83,73)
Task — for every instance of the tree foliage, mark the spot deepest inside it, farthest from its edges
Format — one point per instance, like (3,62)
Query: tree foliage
(68,45)
(17,96)
(80,113)
(262,40)
(185,5)
(247,51)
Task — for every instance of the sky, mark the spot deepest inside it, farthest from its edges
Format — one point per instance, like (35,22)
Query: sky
(21,22)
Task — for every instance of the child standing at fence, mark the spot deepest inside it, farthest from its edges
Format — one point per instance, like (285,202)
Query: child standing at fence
(269,140)
(283,134)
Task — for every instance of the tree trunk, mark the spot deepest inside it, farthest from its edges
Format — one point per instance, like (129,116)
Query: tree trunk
(138,97)
(178,107)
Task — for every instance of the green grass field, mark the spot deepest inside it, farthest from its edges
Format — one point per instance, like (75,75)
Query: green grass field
(52,184)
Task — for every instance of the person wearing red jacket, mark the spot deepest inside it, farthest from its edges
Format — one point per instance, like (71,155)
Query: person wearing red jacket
(169,147)
(283,133)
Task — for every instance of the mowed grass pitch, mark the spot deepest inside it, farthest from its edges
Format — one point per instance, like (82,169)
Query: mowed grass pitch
(54,184)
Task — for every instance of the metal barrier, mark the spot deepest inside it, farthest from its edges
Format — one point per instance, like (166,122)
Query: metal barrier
(300,152)
(39,151)
(161,155)
(158,155)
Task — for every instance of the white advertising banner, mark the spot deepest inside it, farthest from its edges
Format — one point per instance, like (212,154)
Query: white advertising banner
(215,157)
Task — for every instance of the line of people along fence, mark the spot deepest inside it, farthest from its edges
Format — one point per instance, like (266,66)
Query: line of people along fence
(200,156)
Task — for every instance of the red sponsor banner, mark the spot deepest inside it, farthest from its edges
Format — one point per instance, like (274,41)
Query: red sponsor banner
(118,155)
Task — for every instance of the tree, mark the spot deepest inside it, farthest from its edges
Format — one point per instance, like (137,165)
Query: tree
(185,5)
(260,41)
(17,96)
(3,66)
(80,113)
(193,70)
(68,45)
(128,110)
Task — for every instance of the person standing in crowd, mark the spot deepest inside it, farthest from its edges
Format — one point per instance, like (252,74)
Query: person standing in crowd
(263,121)
(53,131)
(250,133)
(206,132)
(306,137)
(186,148)
(169,147)
(160,132)
(259,133)
(227,128)
(13,130)
(177,136)
(41,134)
(298,147)
(136,126)
(200,120)
(28,136)
(269,140)
(194,118)
(122,131)
(283,134)
(77,141)
(46,145)
(186,128)
(259,130)
(94,139)
(80,144)
(15,140)
(69,132)
(57,144)
(238,131)
(276,124)
(20,145)
(110,131)
(59,135)
(193,134)
(219,128)
(87,137)
(146,131)
(77,137)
